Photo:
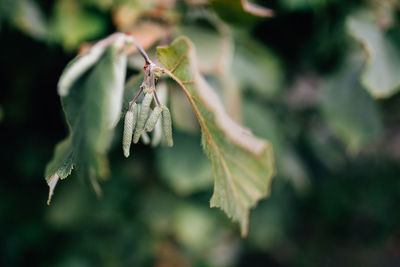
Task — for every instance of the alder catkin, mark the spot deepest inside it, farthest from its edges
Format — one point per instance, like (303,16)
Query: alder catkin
(129,125)
(143,114)
(153,118)
(157,134)
(167,127)
(145,138)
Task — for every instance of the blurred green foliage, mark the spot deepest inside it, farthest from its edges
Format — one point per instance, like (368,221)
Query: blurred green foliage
(302,80)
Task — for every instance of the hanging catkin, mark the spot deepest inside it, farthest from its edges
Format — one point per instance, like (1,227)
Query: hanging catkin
(129,125)
(153,118)
(167,127)
(145,138)
(144,113)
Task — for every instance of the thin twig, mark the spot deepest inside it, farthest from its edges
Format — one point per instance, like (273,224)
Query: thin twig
(149,68)
(152,79)
(136,97)
(139,48)
(146,74)
(156,97)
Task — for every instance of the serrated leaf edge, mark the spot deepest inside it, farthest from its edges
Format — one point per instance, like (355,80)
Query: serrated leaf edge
(257,146)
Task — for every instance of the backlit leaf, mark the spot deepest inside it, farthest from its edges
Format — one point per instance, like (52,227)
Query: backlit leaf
(243,165)
(92,107)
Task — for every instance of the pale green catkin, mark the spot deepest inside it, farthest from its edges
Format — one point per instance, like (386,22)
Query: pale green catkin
(144,113)
(129,125)
(167,127)
(157,134)
(153,118)
(145,138)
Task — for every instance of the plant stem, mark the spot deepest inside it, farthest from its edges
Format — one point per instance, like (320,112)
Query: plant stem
(156,97)
(139,48)
(149,68)
(136,97)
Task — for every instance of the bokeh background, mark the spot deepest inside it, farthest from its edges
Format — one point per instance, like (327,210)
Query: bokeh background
(299,79)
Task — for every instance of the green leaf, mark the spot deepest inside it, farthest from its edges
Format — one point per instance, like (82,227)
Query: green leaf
(381,75)
(92,107)
(184,167)
(349,111)
(243,165)
(77,67)
(71,24)
(264,124)
(211,47)
(240,11)
(188,217)
(28,17)
(183,117)
(257,68)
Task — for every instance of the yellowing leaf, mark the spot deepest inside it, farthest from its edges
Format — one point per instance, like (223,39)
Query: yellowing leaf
(381,75)
(243,164)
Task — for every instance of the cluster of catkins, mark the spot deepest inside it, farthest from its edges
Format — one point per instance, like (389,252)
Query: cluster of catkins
(141,118)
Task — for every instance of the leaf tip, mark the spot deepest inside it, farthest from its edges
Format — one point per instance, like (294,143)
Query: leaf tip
(257,10)
(52,182)
(243,220)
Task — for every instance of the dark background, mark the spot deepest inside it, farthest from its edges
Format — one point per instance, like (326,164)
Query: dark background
(344,214)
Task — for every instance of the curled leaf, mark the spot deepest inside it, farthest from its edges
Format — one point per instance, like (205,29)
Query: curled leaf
(243,165)
(77,67)
(91,96)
